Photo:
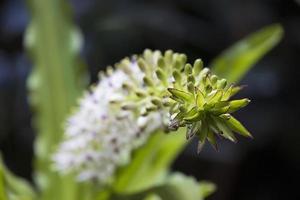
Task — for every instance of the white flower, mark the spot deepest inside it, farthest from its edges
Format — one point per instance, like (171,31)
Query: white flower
(100,136)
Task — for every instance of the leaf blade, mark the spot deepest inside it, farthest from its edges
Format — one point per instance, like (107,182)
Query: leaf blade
(235,61)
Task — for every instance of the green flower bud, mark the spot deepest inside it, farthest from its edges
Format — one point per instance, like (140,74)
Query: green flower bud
(161,76)
(197,67)
(193,97)
(148,81)
(177,77)
(188,69)
(161,63)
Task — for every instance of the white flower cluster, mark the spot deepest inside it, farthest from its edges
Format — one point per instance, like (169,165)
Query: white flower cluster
(100,136)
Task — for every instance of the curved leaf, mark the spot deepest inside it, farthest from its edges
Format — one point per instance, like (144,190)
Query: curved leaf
(150,163)
(53,43)
(235,61)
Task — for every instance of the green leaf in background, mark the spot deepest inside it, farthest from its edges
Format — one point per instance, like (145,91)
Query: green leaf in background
(150,163)
(12,187)
(176,186)
(235,61)
(152,196)
(179,186)
(2,186)
(53,43)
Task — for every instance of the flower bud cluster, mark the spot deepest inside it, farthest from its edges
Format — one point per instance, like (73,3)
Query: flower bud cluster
(186,96)
(141,94)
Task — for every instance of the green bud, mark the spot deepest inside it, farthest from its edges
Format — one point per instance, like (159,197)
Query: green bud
(226,131)
(188,69)
(142,65)
(148,81)
(221,84)
(169,56)
(156,101)
(140,93)
(182,58)
(200,100)
(178,65)
(225,116)
(161,63)
(198,65)
(127,86)
(236,126)
(128,106)
(177,77)
(180,95)
(166,103)
(151,108)
(214,96)
(109,70)
(161,76)
(227,93)
(144,111)
(148,55)
(236,89)
(204,72)
(237,104)
(182,109)
(193,115)
(191,79)
(191,87)
(213,79)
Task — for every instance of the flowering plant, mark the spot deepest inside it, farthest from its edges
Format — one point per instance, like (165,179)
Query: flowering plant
(120,140)
(143,94)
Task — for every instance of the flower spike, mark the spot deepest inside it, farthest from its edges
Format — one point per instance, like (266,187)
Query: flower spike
(141,94)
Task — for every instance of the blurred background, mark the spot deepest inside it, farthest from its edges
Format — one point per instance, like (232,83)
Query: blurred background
(264,168)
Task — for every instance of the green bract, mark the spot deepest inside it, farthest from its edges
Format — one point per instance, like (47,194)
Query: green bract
(186,95)
(205,110)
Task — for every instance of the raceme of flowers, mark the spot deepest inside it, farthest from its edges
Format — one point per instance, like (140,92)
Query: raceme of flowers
(140,95)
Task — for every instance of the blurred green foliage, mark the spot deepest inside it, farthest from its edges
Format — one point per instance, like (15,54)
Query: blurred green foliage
(14,188)
(235,61)
(53,43)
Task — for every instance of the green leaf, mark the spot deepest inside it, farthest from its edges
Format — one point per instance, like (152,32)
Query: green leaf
(181,187)
(175,186)
(12,187)
(150,163)
(2,186)
(235,61)
(152,196)
(57,80)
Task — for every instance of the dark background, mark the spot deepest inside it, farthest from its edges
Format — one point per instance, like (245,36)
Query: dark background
(265,168)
